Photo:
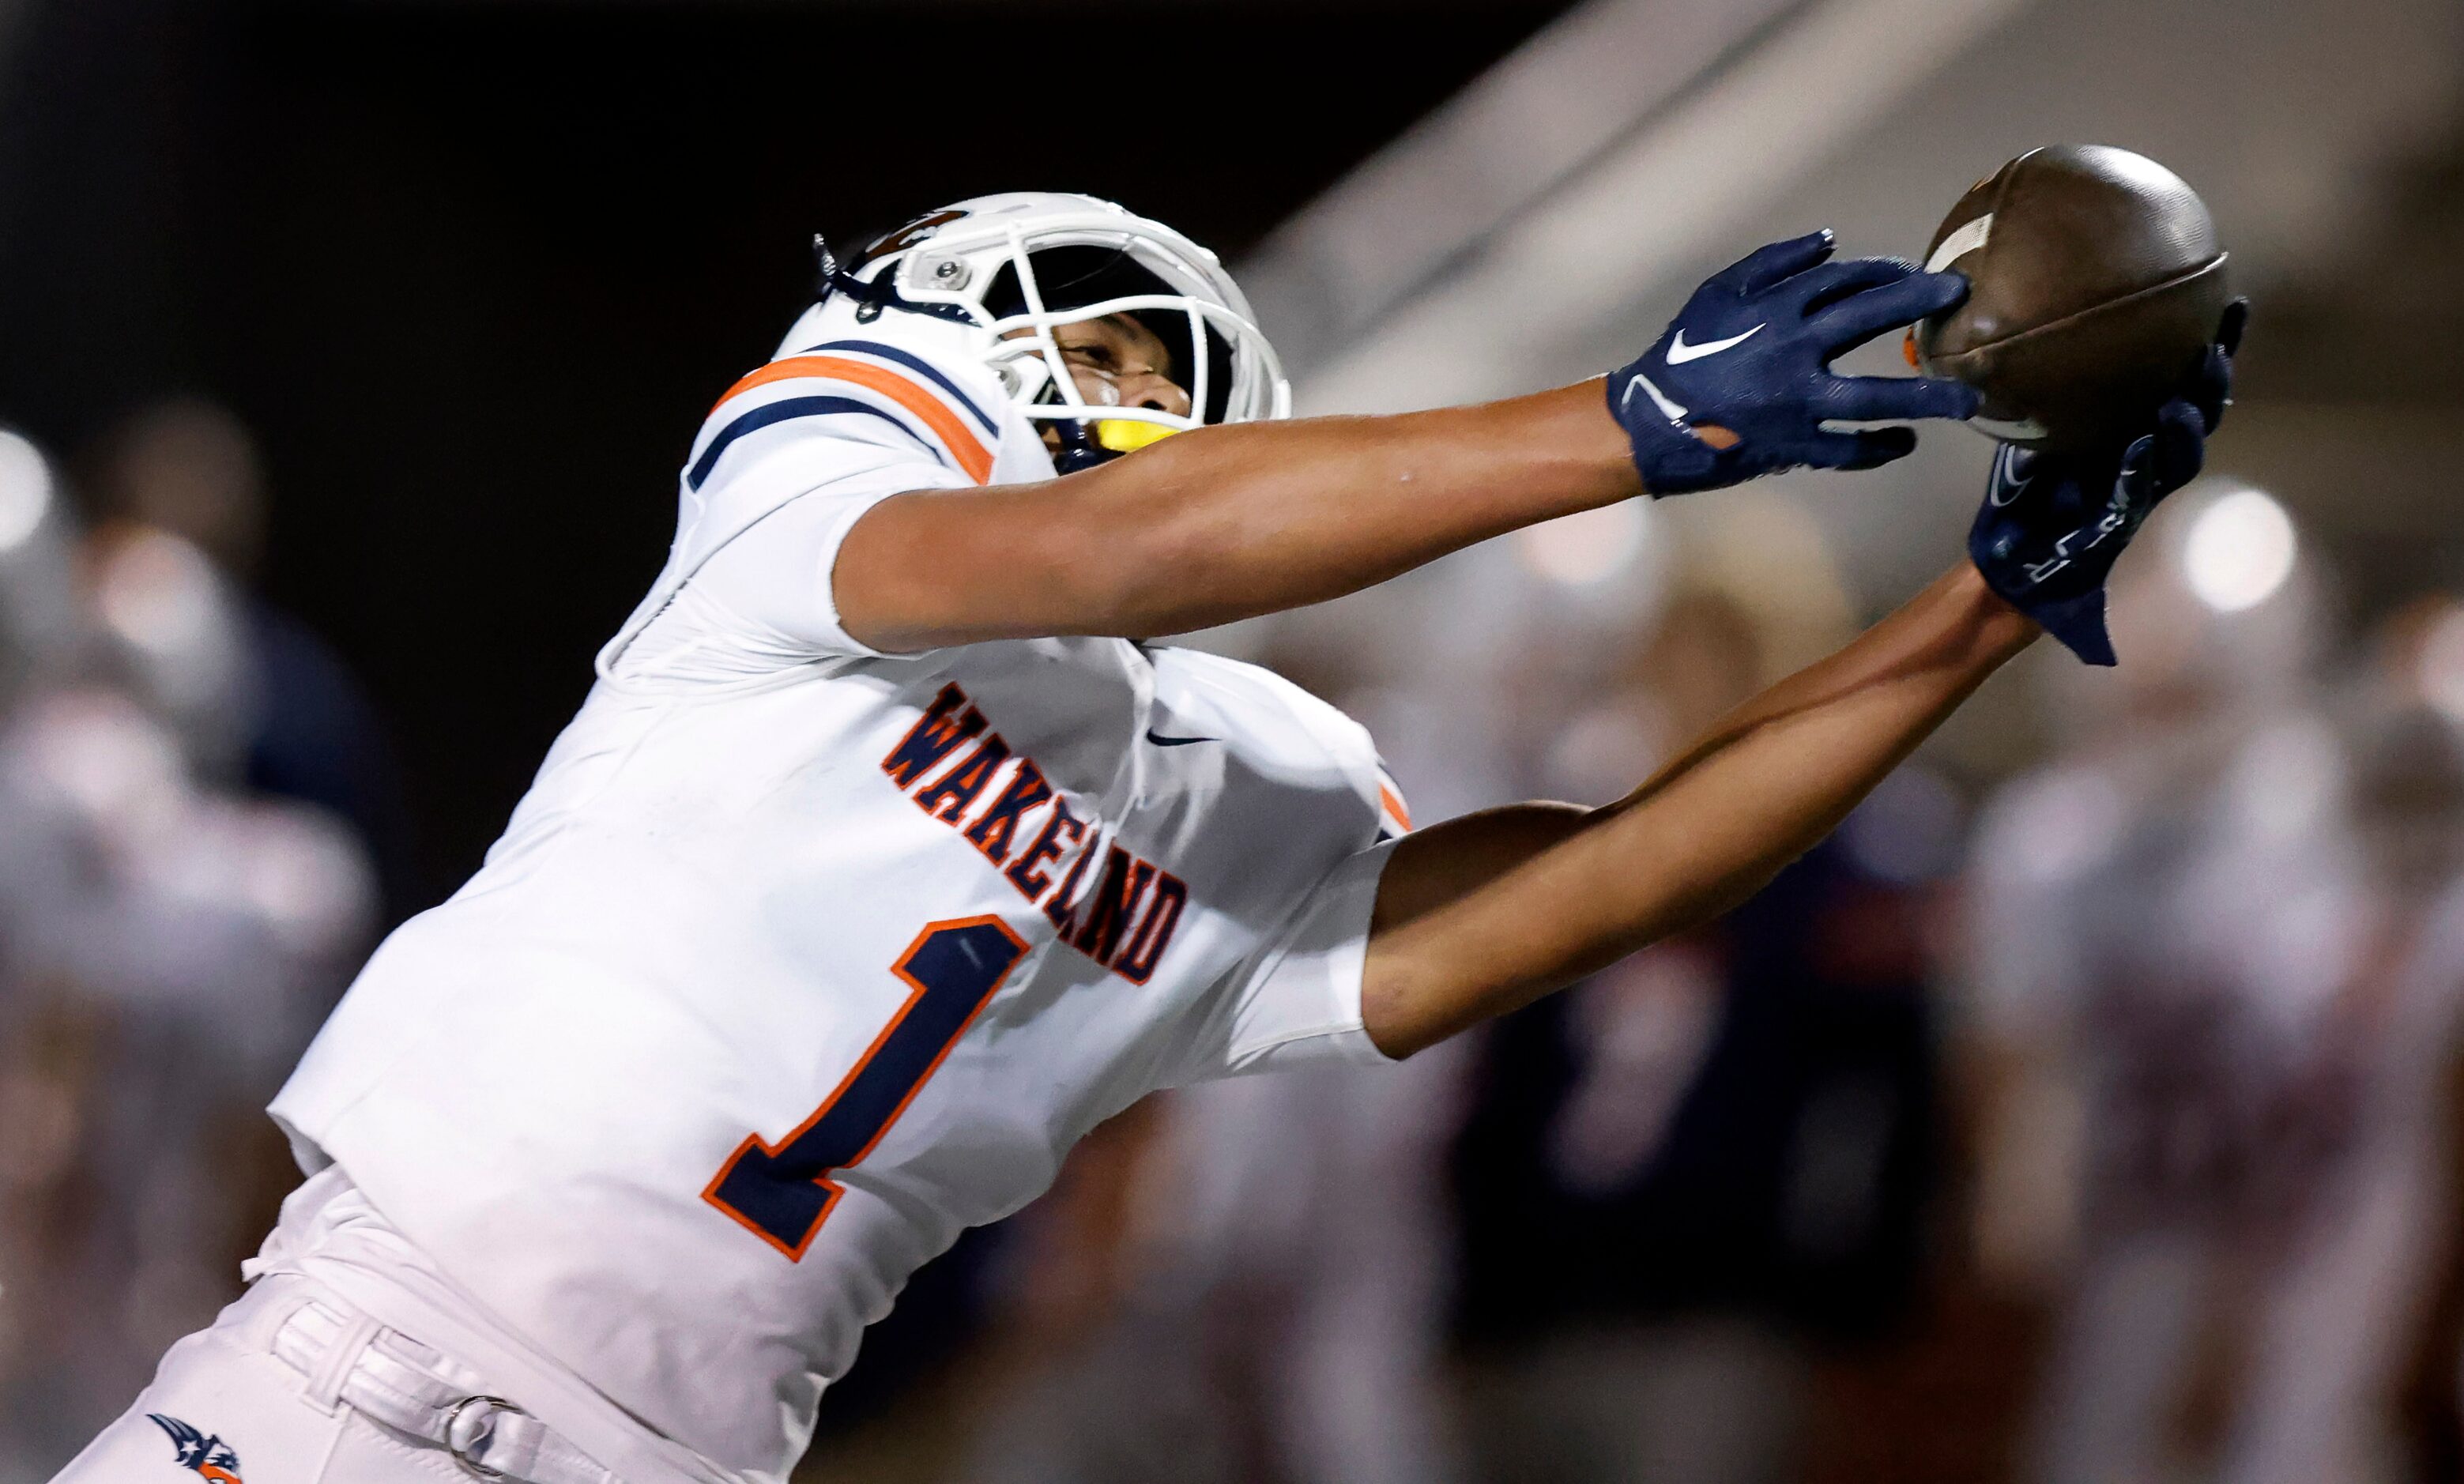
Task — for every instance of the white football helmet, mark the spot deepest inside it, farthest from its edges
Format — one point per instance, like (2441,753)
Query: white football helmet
(990,278)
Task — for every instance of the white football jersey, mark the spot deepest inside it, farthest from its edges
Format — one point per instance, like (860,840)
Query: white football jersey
(799,958)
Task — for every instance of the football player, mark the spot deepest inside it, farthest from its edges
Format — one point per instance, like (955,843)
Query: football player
(886,857)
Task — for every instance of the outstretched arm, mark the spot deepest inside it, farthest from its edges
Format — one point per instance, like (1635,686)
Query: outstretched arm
(1223,523)
(1482,914)
(1226,523)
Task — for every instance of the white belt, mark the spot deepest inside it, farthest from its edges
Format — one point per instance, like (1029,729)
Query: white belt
(397,1381)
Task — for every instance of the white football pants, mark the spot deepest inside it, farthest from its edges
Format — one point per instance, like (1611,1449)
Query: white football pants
(293,1386)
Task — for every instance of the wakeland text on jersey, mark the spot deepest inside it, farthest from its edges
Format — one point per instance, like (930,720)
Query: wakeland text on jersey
(1098,924)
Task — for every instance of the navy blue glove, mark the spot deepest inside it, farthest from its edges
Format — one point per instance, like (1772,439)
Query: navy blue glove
(2052,524)
(1740,384)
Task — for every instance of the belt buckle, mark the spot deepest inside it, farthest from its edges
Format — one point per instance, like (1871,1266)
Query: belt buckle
(470,1465)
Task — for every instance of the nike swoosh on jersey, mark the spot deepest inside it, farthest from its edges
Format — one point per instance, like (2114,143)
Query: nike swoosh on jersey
(1679,353)
(1673,412)
(1160,740)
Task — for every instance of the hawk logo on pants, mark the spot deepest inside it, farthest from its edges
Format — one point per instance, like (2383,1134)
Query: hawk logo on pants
(191,1449)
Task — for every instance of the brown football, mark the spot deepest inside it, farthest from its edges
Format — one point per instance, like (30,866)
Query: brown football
(2094,284)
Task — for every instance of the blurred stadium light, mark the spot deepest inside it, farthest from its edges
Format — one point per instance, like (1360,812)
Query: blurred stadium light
(2239,551)
(25,491)
(1586,548)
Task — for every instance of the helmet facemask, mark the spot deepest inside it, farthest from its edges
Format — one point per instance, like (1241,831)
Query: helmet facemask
(1076,284)
(1014,270)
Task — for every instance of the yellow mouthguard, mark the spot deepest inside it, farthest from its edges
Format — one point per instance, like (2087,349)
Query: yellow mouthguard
(1128,435)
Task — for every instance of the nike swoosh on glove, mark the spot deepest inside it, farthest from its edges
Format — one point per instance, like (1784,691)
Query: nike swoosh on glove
(1740,384)
(2052,524)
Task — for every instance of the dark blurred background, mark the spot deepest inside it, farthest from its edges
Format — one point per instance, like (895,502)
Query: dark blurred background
(470,273)
(2087,1111)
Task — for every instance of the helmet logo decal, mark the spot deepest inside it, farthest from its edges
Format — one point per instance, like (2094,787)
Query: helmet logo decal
(906,236)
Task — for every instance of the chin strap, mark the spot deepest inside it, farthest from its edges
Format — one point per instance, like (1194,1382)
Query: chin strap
(1078,449)
(1086,441)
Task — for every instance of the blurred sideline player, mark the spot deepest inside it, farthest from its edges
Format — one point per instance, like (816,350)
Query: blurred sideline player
(2230,944)
(885,860)
(167,944)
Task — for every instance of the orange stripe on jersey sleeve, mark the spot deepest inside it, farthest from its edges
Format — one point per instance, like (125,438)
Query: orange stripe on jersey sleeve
(970,450)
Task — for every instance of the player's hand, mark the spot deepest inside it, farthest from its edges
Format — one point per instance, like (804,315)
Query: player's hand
(2052,524)
(1741,384)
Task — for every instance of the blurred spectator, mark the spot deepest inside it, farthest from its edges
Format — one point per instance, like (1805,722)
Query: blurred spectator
(166,948)
(2217,1009)
(298,726)
(1682,1170)
(1088,1375)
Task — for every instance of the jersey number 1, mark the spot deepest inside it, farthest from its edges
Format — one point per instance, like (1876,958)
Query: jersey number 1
(783,1193)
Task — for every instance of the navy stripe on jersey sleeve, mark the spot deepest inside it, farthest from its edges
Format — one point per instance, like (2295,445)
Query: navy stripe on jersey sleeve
(787,410)
(914,364)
